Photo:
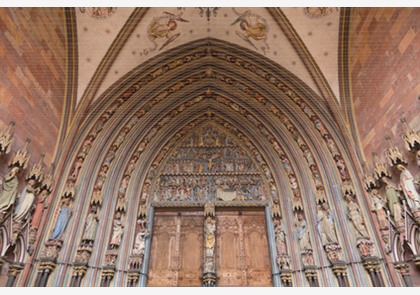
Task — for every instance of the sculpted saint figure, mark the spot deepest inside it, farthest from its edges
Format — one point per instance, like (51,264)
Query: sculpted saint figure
(62,220)
(91,226)
(210,238)
(378,206)
(303,234)
(393,199)
(140,242)
(117,232)
(407,184)
(280,236)
(354,214)
(9,190)
(325,226)
(26,201)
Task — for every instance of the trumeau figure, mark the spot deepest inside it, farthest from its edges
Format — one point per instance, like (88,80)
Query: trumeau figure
(407,185)
(9,190)
(210,237)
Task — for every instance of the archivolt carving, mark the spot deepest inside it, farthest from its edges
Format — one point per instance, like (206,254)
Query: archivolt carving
(145,80)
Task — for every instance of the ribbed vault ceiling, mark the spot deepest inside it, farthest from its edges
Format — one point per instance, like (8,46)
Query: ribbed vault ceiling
(113,41)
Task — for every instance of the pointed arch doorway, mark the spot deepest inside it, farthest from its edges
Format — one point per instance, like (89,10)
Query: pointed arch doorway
(209,167)
(241,248)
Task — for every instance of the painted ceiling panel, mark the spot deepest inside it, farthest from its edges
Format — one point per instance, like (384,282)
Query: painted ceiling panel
(162,29)
(318,27)
(96,29)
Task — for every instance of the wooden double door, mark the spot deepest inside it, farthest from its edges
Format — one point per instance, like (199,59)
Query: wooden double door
(242,254)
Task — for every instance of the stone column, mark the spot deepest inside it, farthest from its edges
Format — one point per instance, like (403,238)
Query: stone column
(272,248)
(145,266)
(14,271)
(372,266)
(340,271)
(209,268)
(404,269)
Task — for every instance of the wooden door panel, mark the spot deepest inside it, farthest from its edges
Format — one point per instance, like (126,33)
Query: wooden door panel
(176,250)
(162,270)
(191,245)
(242,257)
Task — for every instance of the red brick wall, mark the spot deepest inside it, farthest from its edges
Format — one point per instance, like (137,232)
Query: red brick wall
(384,63)
(32,77)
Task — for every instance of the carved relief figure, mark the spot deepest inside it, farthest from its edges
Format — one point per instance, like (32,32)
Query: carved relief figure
(26,201)
(9,191)
(407,185)
(325,226)
(309,158)
(87,144)
(355,215)
(62,220)
(333,149)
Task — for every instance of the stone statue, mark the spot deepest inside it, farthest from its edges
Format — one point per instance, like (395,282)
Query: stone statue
(378,206)
(210,237)
(354,214)
(210,241)
(325,226)
(393,199)
(280,236)
(117,231)
(407,185)
(91,227)
(26,201)
(140,242)
(303,234)
(62,220)
(9,190)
